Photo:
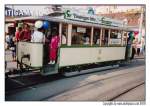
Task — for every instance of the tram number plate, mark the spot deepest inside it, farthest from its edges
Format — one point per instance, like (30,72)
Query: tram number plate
(99,52)
(98,58)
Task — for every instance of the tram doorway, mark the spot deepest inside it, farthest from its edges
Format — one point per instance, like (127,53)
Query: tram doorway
(50,44)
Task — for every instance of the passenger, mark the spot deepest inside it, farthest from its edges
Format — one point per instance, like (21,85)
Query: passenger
(95,38)
(87,41)
(38,36)
(25,34)
(17,34)
(97,42)
(53,47)
(64,41)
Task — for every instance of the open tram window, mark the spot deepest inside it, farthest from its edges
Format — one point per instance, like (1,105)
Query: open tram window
(96,36)
(104,40)
(80,35)
(125,36)
(87,37)
(115,37)
(64,36)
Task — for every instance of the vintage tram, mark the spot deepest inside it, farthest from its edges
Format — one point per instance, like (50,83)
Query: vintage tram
(107,43)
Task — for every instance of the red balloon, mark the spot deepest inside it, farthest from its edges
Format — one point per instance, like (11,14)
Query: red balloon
(136,32)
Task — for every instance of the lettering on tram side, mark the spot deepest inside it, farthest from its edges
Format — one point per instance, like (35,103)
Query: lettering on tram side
(99,54)
(92,19)
(105,22)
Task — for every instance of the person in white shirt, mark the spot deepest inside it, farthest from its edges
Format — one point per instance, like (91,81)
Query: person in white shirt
(38,36)
(87,41)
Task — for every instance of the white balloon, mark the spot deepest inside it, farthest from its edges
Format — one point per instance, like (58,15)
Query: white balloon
(38,24)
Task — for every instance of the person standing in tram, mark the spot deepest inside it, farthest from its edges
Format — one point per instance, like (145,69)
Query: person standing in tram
(87,41)
(53,47)
(64,41)
(25,34)
(38,36)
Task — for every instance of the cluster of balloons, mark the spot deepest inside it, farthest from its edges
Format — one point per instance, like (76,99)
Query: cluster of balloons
(42,24)
(131,36)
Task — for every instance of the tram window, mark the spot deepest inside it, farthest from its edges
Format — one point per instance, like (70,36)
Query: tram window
(113,34)
(64,34)
(96,36)
(80,36)
(115,37)
(125,38)
(86,37)
(105,37)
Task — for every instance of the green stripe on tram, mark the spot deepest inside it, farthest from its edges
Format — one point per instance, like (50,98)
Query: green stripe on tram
(88,46)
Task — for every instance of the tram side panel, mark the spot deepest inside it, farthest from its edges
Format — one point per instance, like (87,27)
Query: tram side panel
(30,54)
(77,56)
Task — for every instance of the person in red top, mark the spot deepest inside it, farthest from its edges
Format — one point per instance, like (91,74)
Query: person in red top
(25,34)
(17,34)
(53,47)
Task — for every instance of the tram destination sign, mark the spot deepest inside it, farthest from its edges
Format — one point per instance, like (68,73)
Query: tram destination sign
(68,14)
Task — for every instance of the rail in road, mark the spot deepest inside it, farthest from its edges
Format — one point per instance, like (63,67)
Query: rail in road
(135,93)
(18,82)
(104,89)
(95,86)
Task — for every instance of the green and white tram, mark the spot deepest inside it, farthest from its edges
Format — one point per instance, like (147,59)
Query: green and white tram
(107,41)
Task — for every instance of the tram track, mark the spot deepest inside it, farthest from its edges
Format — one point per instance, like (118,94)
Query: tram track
(90,85)
(127,91)
(44,79)
(90,82)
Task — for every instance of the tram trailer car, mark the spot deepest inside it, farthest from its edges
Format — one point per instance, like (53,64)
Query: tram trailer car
(72,56)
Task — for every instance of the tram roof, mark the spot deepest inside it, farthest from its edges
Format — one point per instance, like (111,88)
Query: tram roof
(75,22)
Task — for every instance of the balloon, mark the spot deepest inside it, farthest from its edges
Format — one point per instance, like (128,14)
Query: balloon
(45,24)
(38,24)
(130,33)
(136,32)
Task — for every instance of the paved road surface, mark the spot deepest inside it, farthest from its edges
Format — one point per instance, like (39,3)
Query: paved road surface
(105,89)
(137,93)
(96,86)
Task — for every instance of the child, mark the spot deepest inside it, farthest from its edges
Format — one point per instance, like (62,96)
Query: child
(53,46)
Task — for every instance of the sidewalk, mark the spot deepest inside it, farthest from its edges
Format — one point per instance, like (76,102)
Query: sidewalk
(139,57)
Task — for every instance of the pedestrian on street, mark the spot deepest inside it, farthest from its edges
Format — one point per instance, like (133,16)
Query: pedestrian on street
(13,48)
(138,46)
(133,49)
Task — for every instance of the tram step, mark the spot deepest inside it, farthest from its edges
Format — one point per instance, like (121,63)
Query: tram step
(68,74)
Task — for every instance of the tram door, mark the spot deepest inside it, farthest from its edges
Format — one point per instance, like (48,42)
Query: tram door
(50,48)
